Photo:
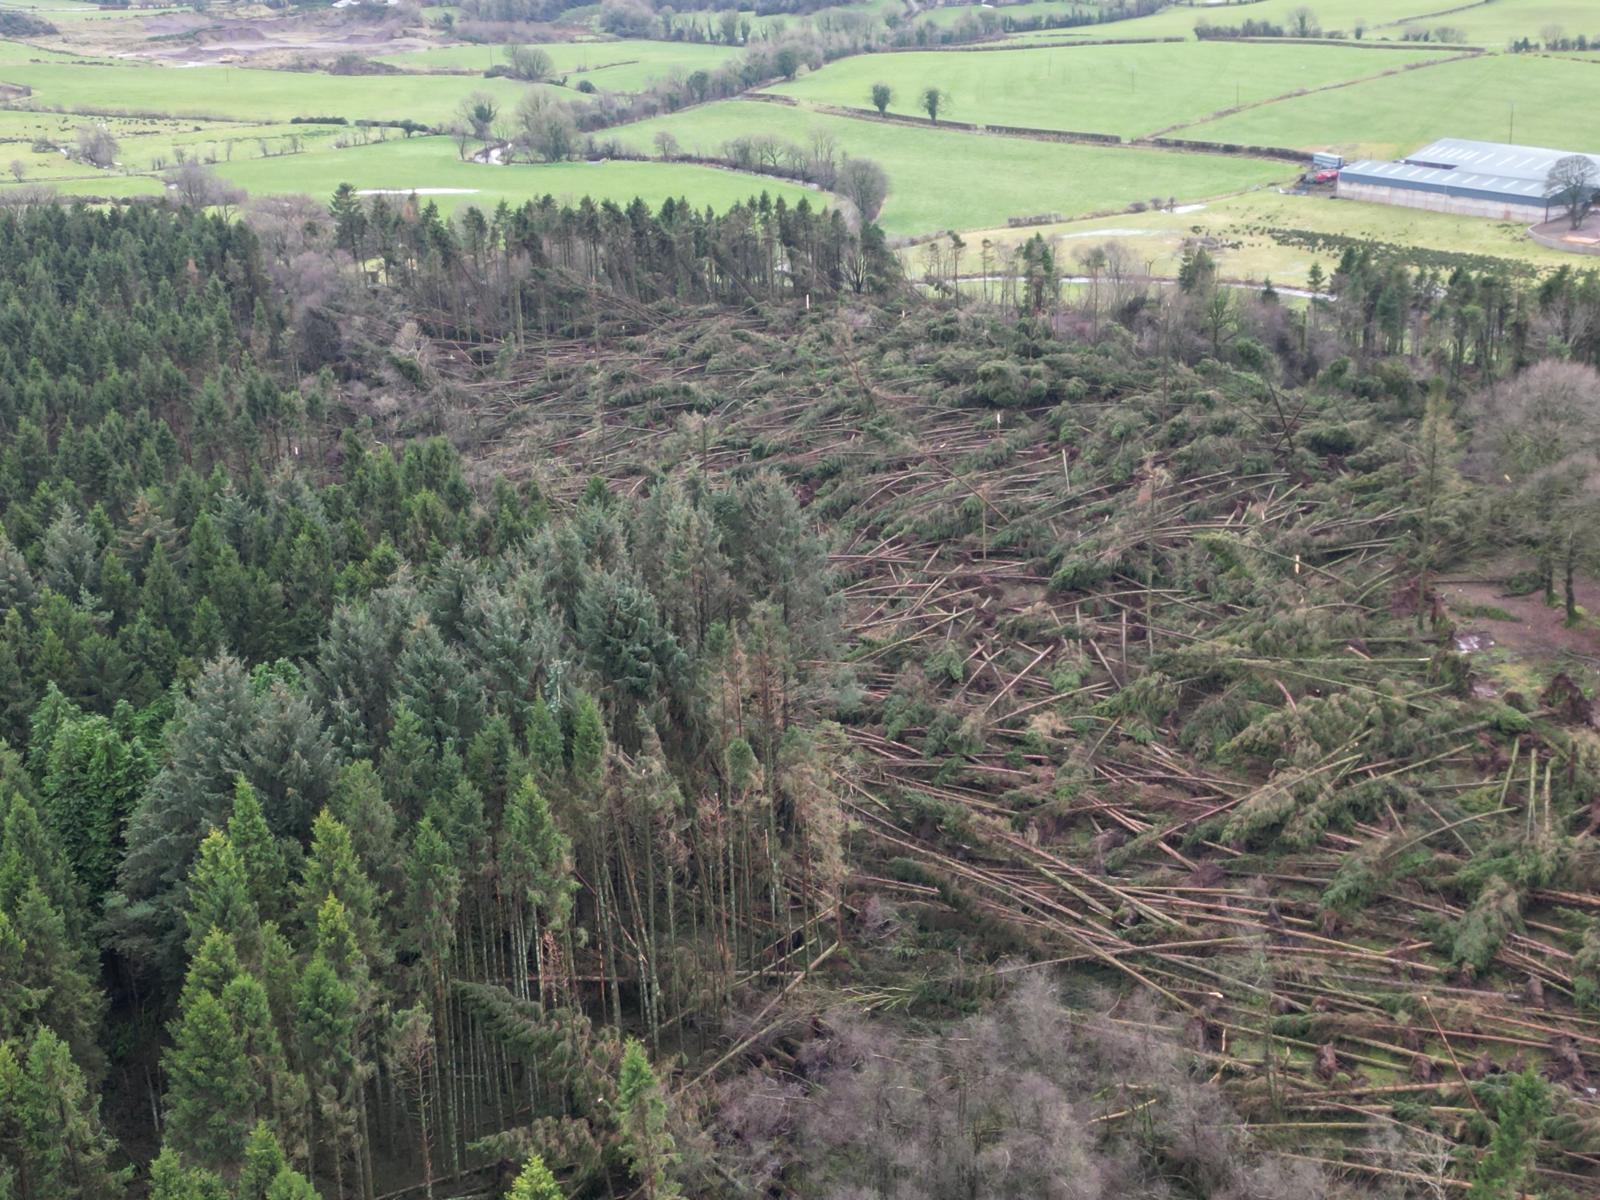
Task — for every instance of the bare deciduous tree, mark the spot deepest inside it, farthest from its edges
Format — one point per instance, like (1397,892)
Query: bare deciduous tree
(96,146)
(1016,1102)
(1303,22)
(822,158)
(1540,433)
(545,128)
(27,195)
(529,63)
(864,183)
(194,185)
(1571,182)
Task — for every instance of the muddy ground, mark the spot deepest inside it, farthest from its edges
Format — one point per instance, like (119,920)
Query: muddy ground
(196,39)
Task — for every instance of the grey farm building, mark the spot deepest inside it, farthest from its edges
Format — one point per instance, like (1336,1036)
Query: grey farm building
(1453,175)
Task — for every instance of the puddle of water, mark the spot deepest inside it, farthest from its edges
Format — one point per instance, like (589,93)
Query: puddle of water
(1469,643)
(1113,233)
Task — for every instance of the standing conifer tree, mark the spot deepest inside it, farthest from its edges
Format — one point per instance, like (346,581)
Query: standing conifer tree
(263,1159)
(219,897)
(213,1094)
(334,869)
(433,898)
(535,1182)
(170,1179)
(642,1122)
(259,853)
(50,1134)
(536,877)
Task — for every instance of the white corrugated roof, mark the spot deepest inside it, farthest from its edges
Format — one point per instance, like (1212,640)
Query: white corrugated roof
(1476,166)
(1495,158)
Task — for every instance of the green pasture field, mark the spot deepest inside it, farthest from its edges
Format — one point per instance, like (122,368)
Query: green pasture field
(146,144)
(71,17)
(1492,24)
(620,66)
(118,187)
(58,12)
(1332,15)
(946,179)
(248,94)
(793,22)
(1132,91)
(1495,97)
(48,8)
(402,166)
(1235,228)
(20,52)
(1033,9)
(1504,21)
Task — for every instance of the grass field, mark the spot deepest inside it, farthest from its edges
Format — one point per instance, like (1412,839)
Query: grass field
(1128,90)
(1492,23)
(945,179)
(245,94)
(1381,19)
(1028,11)
(20,52)
(146,144)
(621,66)
(1332,15)
(1236,229)
(1472,98)
(1503,21)
(103,185)
(419,163)
(64,13)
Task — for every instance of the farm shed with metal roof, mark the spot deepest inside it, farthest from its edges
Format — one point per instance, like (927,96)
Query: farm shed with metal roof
(1454,175)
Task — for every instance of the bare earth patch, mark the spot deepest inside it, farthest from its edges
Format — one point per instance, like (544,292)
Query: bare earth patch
(264,41)
(1535,630)
(1560,235)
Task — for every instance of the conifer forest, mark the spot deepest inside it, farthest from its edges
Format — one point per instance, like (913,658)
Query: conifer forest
(628,701)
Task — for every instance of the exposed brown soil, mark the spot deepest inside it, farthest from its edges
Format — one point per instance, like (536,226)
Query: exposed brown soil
(1585,239)
(1536,630)
(265,41)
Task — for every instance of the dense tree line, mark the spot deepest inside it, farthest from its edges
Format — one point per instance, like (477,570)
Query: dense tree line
(532,268)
